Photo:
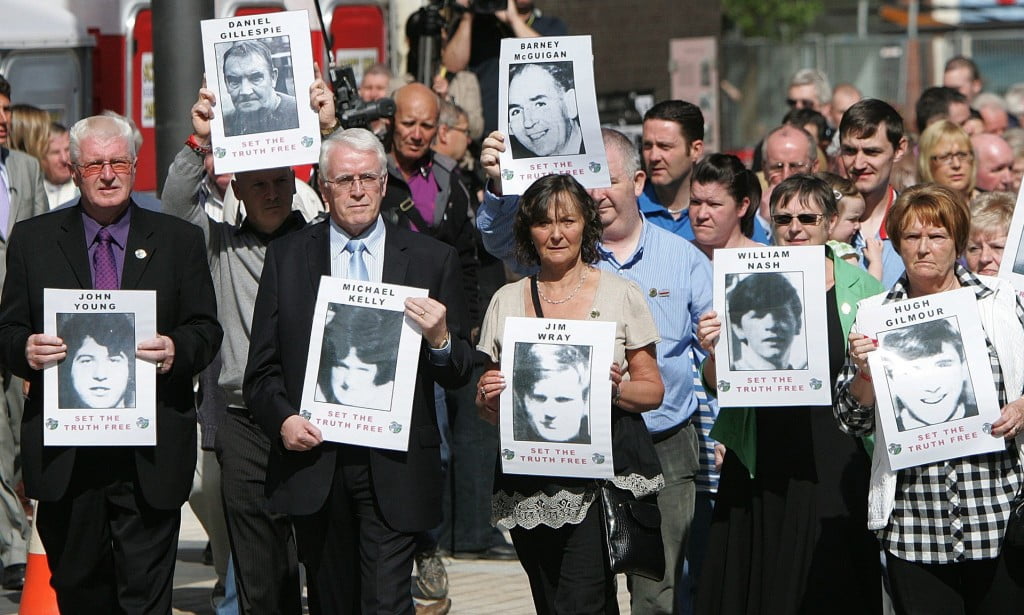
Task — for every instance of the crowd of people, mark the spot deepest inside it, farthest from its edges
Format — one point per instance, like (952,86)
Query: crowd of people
(763,510)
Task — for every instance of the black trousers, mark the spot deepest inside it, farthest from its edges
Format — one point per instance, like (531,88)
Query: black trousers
(108,550)
(354,562)
(266,565)
(568,567)
(972,587)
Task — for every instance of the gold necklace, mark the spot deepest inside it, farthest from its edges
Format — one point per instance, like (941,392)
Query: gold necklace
(583,278)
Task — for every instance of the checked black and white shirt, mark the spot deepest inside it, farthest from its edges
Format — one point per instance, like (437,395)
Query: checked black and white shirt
(950,511)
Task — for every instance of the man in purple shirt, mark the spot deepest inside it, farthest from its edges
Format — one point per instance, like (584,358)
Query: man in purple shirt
(109,515)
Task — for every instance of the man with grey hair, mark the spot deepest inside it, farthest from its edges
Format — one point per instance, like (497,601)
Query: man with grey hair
(993,112)
(109,516)
(356,510)
(787,150)
(809,88)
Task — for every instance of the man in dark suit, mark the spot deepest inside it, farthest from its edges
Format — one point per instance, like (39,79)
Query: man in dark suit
(109,516)
(356,510)
(21,182)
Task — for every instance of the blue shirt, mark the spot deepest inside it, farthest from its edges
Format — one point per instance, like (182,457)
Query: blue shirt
(658,215)
(675,277)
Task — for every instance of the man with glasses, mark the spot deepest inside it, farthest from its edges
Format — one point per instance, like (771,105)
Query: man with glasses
(356,510)
(787,150)
(809,88)
(22,196)
(871,141)
(109,516)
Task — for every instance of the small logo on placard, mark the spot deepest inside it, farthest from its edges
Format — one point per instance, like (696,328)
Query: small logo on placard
(895,448)
(52,424)
(507,174)
(723,385)
(815,384)
(142,422)
(305,414)
(395,427)
(508,454)
(987,427)
(598,458)
(307,141)
(220,152)
(595,167)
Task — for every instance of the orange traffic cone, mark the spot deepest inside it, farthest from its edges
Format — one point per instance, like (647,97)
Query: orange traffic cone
(37,597)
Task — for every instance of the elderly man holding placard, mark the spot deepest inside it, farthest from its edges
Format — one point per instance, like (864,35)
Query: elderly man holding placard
(356,509)
(109,515)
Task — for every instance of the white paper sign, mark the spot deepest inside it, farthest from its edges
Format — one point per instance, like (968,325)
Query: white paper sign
(547,105)
(771,302)
(934,394)
(260,67)
(1012,266)
(363,357)
(100,394)
(556,410)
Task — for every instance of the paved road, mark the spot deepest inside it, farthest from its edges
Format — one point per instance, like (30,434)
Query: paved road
(476,587)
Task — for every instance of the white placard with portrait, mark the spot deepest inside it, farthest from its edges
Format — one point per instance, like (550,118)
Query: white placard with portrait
(1012,266)
(547,108)
(361,368)
(772,350)
(101,394)
(260,68)
(935,398)
(556,410)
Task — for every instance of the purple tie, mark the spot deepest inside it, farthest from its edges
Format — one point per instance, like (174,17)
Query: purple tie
(103,264)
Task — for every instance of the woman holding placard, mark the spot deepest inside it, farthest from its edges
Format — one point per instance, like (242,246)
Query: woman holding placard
(788,532)
(556,524)
(942,524)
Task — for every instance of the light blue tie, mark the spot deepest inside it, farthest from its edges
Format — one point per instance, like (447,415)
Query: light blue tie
(356,264)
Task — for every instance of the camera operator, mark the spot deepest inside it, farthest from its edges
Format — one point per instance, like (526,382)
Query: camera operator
(476,44)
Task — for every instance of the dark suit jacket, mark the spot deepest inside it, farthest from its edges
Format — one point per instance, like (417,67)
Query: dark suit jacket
(28,197)
(175,266)
(407,484)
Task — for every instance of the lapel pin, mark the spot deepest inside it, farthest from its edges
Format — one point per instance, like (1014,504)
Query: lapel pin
(140,254)
(846,308)
(594,313)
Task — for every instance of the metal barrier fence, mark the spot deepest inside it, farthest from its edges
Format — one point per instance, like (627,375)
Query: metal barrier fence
(755,72)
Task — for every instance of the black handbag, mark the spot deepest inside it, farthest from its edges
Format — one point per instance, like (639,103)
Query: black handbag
(1014,535)
(632,532)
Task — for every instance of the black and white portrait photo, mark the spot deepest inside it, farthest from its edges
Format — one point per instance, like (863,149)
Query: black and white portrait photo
(99,371)
(551,393)
(543,114)
(926,370)
(766,322)
(359,356)
(258,88)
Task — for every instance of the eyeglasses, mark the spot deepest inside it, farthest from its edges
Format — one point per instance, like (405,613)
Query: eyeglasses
(795,168)
(947,159)
(348,182)
(805,219)
(800,103)
(120,166)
